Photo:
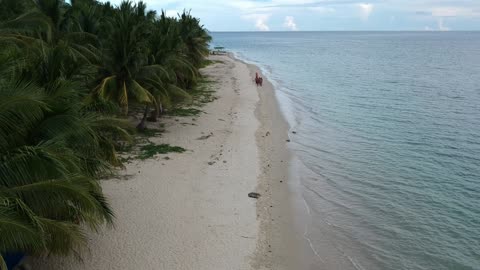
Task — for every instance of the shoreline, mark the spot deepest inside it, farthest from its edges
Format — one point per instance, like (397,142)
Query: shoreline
(273,208)
(284,241)
(191,210)
(281,243)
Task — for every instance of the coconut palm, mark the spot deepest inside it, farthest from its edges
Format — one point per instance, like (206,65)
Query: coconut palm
(126,74)
(166,50)
(13,8)
(50,21)
(52,150)
(51,154)
(195,37)
(56,137)
(44,38)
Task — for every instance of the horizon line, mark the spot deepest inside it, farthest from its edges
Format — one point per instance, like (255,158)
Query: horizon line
(306,31)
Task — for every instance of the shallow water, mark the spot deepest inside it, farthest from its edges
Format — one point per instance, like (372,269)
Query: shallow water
(388,133)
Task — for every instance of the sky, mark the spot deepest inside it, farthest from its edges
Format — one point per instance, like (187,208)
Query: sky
(327,15)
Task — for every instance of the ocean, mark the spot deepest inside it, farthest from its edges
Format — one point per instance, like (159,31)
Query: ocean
(388,133)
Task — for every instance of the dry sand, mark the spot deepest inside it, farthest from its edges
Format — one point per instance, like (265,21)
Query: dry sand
(192,210)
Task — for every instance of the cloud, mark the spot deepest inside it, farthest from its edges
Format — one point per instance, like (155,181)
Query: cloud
(262,26)
(454,12)
(290,23)
(365,10)
(244,15)
(260,21)
(441,26)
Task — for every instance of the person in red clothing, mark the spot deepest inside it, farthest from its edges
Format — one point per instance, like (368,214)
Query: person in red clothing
(258,79)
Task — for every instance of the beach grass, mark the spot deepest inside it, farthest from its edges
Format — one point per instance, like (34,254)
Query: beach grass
(151,150)
(202,93)
(151,132)
(184,112)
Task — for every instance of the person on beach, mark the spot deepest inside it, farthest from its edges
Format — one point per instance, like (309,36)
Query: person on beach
(258,79)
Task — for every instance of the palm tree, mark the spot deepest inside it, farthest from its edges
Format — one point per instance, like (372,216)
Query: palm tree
(195,37)
(52,149)
(51,153)
(13,8)
(44,34)
(126,74)
(167,50)
(56,137)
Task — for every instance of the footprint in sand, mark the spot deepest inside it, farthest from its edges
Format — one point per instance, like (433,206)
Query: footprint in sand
(204,137)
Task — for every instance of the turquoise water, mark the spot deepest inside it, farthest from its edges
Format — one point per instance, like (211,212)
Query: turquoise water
(388,129)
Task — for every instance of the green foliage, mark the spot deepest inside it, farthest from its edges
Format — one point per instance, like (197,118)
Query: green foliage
(10,9)
(203,93)
(184,112)
(208,62)
(150,150)
(68,72)
(151,132)
(51,151)
(149,60)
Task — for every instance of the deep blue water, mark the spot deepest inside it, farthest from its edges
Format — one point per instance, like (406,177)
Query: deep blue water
(388,129)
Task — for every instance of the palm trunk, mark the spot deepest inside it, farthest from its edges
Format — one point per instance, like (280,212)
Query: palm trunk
(124,109)
(155,113)
(143,124)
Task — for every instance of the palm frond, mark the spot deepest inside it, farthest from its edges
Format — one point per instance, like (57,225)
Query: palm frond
(19,233)
(66,71)
(141,94)
(22,104)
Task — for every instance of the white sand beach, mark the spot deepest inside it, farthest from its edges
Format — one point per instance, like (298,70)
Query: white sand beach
(192,210)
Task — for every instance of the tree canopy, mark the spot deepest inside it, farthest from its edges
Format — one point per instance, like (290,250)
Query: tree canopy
(69,72)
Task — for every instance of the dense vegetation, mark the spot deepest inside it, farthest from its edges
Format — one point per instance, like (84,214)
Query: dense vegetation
(70,72)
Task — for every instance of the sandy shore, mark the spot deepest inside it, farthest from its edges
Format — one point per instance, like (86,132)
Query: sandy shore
(192,210)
